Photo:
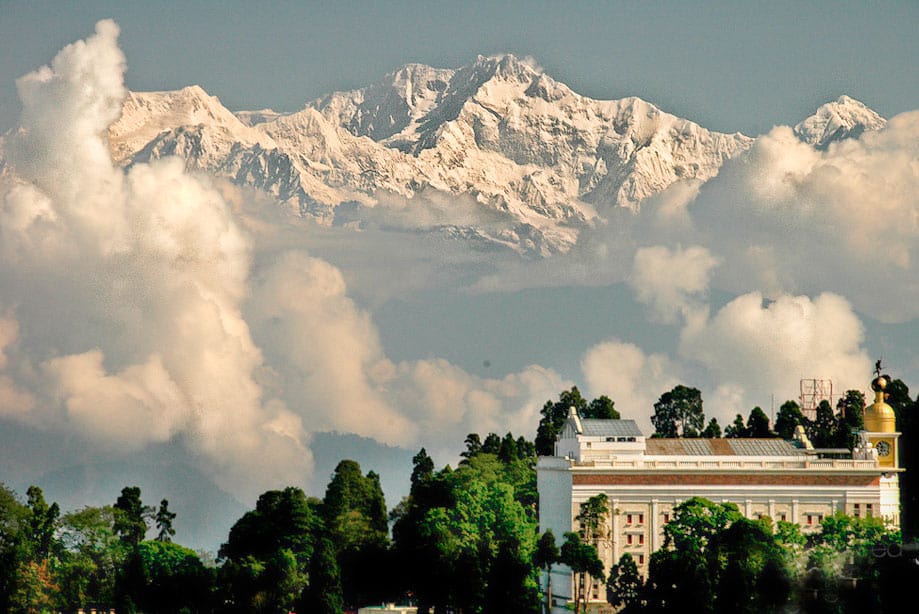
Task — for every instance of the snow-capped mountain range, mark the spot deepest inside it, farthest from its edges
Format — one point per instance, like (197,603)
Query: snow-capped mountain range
(498,131)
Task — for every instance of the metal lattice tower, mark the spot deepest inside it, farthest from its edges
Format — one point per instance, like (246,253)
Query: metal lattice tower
(812,392)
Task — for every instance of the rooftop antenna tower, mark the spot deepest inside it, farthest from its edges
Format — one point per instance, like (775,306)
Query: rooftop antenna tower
(812,392)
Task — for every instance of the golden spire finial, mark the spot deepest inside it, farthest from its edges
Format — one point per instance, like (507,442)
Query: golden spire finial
(879,416)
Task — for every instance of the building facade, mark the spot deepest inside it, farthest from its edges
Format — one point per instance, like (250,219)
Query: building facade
(644,479)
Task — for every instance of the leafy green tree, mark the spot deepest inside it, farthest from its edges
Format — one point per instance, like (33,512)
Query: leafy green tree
(736,429)
(544,557)
(788,418)
(164,519)
(473,446)
(91,558)
(907,413)
(583,561)
(510,581)
(679,413)
(422,467)
(678,582)
(850,411)
(492,444)
(42,523)
(350,491)
(35,587)
(130,516)
(553,418)
(592,518)
(526,449)
(462,529)
(758,424)
(602,408)
(822,431)
(624,584)
(13,522)
(508,450)
(173,578)
(748,568)
(695,522)
(268,549)
(354,513)
(712,430)
(680,575)
(324,593)
(425,572)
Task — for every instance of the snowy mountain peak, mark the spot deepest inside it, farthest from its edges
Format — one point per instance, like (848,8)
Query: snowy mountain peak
(499,131)
(145,115)
(388,107)
(506,66)
(844,118)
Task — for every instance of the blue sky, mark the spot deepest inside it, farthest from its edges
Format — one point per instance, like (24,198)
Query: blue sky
(729,66)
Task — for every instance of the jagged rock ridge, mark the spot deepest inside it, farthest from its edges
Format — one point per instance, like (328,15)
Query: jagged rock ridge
(499,131)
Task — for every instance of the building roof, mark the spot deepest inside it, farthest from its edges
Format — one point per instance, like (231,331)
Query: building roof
(720,447)
(610,428)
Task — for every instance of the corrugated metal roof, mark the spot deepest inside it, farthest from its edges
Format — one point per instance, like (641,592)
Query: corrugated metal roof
(720,447)
(610,428)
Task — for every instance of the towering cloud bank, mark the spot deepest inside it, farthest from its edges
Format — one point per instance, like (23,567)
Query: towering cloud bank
(789,217)
(752,347)
(123,290)
(131,312)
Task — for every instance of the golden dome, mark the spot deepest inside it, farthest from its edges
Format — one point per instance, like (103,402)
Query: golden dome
(879,416)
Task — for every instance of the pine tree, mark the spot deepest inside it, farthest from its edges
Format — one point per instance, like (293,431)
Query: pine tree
(164,520)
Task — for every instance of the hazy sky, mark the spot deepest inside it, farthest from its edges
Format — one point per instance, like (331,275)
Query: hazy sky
(727,65)
(282,332)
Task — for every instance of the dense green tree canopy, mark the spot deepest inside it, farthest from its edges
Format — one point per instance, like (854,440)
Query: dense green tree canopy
(624,585)
(464,534)
(130,516)
(823,430)
(712,429)
(553,417)
(602,408)
(678,413)
(583,561)
(788,418)
(758,424)
(736,429)
(266,558)
(172,577)
(91,557)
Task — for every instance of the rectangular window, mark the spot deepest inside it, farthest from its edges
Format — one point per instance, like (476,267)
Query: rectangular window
(628,519)
(810,519)
(628,539)
(857,510)
(869,510)
(641,519)
(641,539)
(783,517)
(666,518)
(641,559)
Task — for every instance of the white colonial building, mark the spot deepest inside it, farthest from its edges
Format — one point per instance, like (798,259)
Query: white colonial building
(645,478)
